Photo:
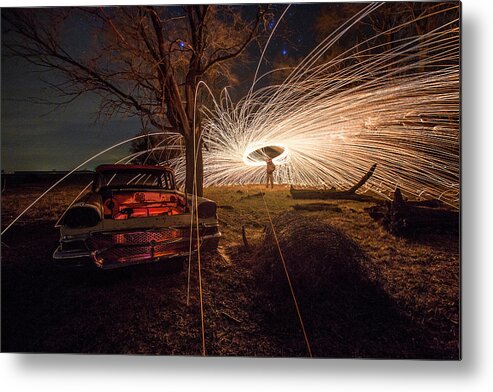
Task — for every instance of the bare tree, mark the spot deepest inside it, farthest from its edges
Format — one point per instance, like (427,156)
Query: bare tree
(389,23)
(141,61)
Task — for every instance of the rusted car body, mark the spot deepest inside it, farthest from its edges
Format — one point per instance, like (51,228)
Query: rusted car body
(134,215)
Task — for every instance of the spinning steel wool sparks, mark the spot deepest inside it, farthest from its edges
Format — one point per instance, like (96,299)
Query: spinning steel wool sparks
(334,118)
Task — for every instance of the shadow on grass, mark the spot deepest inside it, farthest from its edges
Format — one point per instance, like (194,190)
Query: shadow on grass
(345,313)
(46,308)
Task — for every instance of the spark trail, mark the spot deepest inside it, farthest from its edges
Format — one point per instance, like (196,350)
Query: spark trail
(333,118)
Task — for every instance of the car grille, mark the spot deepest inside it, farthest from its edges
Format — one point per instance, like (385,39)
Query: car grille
(138,245)
(136,253)
(103,240)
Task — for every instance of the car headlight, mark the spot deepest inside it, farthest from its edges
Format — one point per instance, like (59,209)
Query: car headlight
(207,209)
(78,217)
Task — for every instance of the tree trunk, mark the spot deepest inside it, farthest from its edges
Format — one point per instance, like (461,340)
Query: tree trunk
(199,168)
(193,116)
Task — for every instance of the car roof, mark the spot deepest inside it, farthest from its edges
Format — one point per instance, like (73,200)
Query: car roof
(123,167)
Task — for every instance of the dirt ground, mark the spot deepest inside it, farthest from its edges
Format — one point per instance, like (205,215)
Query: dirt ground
(144,310)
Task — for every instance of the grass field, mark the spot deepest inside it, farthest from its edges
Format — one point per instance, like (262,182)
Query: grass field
(144,310)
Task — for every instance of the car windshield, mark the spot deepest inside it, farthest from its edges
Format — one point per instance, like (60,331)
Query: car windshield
(136,178)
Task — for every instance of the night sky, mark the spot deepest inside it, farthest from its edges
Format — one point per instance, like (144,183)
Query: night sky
(34,137)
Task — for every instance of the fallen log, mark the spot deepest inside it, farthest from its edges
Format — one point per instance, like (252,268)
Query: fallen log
(402,217)
(329,195)
(332,194)
(379,211)
(411,219)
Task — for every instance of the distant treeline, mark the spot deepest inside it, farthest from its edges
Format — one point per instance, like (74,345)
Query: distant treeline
(31,177)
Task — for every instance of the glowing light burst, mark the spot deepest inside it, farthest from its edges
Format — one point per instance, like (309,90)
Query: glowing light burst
(333,119)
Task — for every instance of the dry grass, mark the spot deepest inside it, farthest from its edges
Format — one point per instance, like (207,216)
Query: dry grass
(420,274)
(17,197)
(136,312)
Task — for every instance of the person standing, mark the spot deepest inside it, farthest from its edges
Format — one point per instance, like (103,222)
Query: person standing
(270,172)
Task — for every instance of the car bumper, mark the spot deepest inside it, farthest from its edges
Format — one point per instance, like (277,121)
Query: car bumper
(108,259)
(72,259)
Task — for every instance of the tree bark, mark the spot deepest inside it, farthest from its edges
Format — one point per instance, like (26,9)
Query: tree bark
(194,158)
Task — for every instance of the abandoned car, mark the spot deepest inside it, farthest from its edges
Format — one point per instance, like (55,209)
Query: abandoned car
(134,215)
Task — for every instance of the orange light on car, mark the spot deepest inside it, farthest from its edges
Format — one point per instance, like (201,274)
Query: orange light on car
(119,238)
(140,197)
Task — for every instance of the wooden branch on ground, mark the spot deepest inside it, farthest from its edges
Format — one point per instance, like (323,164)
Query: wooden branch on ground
(258,194)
